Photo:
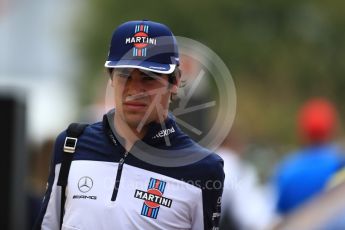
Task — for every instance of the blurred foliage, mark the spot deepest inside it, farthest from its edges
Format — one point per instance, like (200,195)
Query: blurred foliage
(280,53)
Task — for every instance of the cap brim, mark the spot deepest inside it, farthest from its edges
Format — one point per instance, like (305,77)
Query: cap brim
(144,65)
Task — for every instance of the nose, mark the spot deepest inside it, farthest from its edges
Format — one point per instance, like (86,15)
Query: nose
(134,84)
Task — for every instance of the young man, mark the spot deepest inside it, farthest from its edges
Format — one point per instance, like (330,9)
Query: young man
(136,169)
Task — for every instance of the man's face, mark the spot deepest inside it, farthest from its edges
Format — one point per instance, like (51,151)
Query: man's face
(140,96)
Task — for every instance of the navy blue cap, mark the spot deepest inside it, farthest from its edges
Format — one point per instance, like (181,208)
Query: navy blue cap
(144,45)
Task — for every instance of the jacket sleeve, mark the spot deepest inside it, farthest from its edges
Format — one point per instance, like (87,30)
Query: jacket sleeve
(49,215)
(212,189)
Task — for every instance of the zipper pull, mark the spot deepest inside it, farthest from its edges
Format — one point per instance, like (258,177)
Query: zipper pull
(122,160)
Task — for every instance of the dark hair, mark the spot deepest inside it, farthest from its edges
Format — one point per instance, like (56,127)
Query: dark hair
(172,78)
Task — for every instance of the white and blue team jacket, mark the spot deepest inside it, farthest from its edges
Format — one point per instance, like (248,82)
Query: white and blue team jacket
(109,188)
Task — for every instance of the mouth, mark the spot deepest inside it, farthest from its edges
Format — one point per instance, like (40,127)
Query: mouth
(134,105)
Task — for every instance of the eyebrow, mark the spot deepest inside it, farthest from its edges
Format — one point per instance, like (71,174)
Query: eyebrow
(152,74)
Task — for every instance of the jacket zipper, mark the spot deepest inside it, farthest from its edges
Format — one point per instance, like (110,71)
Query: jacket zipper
(118,176)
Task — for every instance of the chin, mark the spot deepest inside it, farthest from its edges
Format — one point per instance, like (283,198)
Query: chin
(133,120)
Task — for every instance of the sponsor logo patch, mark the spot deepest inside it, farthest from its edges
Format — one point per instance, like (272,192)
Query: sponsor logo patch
(85,184)
(164,132)
(153,198)
(140,40)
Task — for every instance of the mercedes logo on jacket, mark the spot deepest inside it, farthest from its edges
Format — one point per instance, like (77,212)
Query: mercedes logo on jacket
(85,184)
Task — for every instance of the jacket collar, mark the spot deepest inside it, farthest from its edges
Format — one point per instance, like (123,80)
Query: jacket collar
(163,145)
(157,134)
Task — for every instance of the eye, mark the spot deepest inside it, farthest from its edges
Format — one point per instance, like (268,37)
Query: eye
(152,75)
(123,75)
(123,72)
(148,78)
(120,74)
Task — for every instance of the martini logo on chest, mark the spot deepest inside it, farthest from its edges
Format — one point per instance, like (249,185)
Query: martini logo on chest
(153,198)
(140,40)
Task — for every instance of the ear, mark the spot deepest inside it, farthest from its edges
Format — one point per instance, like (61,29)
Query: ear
(112,83)
(175,86)
(110,74)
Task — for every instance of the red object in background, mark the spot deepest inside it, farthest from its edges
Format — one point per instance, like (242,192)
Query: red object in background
(317,120)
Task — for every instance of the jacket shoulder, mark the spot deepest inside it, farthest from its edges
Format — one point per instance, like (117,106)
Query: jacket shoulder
(211,167)
(214,165)
(92,130)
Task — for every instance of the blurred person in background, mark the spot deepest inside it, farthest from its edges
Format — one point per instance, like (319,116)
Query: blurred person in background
(305,173)
(246,203)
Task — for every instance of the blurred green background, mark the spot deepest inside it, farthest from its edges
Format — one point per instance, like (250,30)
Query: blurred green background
(280,53)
